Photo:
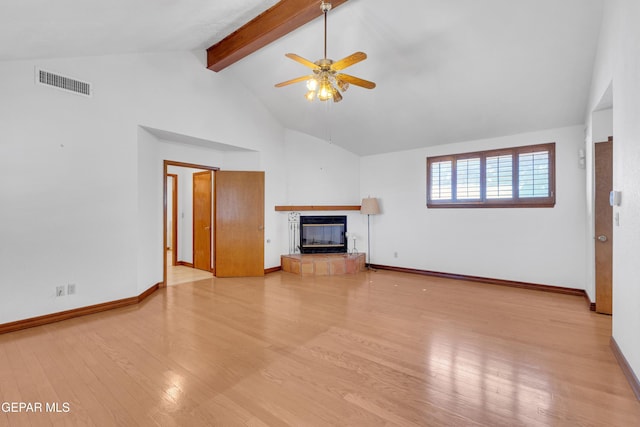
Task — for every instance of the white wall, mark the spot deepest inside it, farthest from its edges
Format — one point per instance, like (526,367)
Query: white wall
(541,245)
(68,207)
(618,64)
(602,125)
(185,216)
(320,173)
(81,185)
(150,182)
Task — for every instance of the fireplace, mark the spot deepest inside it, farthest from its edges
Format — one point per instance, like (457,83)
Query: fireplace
(323,234)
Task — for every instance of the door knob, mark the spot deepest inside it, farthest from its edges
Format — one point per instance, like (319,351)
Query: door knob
(602,238)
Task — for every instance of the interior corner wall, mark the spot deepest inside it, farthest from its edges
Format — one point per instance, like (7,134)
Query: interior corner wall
(320,173)
(535,245)
(150,184)
(618,64)
(602,125)
(84,182)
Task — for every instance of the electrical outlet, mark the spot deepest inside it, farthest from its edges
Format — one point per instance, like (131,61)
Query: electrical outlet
(59,291)
(395,254)
(71,288)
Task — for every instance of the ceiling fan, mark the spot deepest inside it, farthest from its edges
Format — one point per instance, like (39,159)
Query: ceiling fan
(326,82)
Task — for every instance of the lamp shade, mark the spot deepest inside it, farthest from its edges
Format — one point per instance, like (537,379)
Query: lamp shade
(369,206)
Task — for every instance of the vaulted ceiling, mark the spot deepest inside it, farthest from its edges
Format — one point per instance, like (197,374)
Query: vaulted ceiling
(446,71)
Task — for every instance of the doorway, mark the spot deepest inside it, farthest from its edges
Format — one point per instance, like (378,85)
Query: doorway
(238,222)
(182,210)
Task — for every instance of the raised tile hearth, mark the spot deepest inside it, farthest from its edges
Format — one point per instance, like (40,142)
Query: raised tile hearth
(323,264)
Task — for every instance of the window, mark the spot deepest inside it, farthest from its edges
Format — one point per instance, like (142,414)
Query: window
(508,177)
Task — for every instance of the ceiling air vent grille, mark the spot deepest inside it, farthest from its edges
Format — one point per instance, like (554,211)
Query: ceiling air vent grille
(64,83)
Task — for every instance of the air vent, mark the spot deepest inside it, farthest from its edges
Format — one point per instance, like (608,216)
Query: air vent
(64,83)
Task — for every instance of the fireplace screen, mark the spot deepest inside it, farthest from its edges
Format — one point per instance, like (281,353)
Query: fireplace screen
(323,234)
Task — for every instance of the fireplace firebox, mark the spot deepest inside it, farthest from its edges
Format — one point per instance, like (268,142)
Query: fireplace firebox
(323,234)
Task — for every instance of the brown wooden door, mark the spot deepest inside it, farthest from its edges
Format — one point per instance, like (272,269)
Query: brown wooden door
(239,224)
(202,220)
(603,225)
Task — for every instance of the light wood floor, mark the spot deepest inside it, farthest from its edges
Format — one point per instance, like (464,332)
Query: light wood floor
(373,349)
(177,274)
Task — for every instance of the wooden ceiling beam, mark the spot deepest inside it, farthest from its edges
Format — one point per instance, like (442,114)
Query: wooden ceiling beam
(277,21)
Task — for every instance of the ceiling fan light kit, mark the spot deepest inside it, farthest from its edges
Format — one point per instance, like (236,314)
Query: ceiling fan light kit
(326,82)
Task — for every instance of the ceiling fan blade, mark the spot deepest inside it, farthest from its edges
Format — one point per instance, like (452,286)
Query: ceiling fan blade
(301,60)
(356,81)
(296,80)
(348,61)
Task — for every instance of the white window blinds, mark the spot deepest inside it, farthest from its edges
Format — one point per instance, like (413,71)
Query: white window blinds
(500,177)
(533,174)
(468,179)
(441,180)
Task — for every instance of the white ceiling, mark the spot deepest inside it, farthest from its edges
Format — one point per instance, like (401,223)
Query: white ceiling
(446,70)
(66,28)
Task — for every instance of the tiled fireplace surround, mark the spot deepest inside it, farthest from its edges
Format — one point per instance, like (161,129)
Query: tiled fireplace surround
(323,264)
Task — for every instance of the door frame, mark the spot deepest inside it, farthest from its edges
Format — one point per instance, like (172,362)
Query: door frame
(174,218)
(165,165)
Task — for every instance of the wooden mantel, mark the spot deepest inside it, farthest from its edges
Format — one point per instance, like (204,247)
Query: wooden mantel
(318,208)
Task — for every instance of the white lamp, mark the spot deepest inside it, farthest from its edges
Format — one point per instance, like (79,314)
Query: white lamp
(368,207)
